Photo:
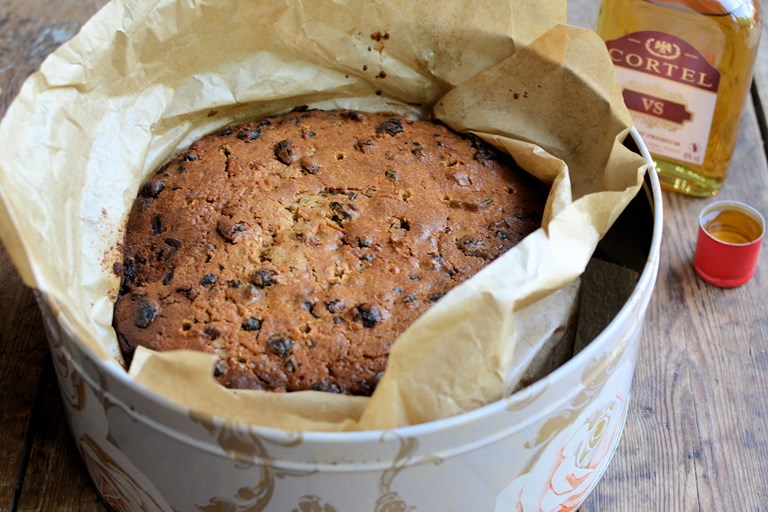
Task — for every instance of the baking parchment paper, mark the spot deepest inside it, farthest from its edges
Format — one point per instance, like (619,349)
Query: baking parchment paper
(144,79)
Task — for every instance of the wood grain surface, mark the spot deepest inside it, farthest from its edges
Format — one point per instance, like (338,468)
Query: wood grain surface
(696,437)
(40,468)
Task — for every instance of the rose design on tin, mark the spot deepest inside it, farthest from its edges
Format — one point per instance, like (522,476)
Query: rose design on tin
(570,466)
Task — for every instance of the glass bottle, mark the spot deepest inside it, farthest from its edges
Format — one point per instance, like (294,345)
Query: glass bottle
(686,69)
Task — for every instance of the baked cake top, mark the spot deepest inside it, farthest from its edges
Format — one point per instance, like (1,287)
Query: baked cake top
(298,248)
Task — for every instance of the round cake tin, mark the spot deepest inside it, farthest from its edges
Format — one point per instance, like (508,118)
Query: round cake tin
(541,449)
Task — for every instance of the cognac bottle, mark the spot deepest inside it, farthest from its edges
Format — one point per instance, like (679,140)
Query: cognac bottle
(686,70)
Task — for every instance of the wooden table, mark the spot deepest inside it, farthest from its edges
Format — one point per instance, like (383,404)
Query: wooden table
(697,434)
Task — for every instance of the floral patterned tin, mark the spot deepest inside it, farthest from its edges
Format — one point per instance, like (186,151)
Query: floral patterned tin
(541,449)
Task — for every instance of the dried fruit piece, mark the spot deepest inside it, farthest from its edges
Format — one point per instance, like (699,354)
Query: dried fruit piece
(281,345)
(285,151)
(335,306)
(353,115)
(263,278)
(173,244)
(208,279)
(130,270)
(230,231)
(212,332)
(473,245)
(443,264)
(369,314)
(327,387)
(249,134)
(390,127)
(145,313)
(157,225)
(310,306)
(252,324)
(152,188)
(308,166)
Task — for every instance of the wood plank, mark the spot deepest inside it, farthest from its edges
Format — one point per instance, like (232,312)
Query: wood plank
(56,477)
(22,352)
(29,31)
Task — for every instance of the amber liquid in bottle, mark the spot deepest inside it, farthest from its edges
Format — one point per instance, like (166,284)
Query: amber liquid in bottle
(686,68)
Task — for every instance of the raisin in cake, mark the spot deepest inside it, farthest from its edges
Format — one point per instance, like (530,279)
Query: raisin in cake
(299,247)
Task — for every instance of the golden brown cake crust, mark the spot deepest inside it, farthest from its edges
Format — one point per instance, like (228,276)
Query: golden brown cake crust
(299,247)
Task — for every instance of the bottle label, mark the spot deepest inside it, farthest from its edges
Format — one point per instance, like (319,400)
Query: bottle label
(671,91)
